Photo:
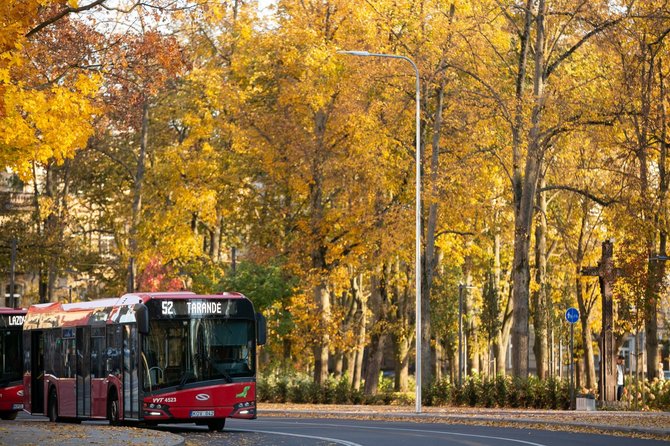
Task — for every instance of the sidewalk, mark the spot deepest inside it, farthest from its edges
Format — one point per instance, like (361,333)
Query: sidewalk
(25,433)
(644,424)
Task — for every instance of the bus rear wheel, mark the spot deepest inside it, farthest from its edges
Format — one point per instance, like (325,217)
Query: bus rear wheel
(216,425)
(113,408)
(52,408)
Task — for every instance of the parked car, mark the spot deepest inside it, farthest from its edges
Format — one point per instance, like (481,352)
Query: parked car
(666,374)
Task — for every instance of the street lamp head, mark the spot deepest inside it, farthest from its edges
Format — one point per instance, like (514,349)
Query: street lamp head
(355,53)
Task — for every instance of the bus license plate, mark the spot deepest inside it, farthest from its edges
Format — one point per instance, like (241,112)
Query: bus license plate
(17,406)
(202,413)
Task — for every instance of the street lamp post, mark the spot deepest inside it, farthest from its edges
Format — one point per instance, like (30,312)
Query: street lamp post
(417,254)
(460,334)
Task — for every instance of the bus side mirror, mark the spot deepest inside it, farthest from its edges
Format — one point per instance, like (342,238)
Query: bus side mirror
(261,329)
(142,317)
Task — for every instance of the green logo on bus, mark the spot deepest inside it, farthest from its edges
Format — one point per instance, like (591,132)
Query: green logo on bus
(243,394)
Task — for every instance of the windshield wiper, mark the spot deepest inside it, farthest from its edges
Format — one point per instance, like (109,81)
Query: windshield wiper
(214,366)
(184,379)
(227,377)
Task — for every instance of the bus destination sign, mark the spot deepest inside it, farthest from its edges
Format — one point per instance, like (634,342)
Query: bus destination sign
(12,320)
(198,308)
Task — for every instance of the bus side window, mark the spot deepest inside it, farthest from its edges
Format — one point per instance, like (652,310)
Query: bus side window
(58,352)
(70,358)
(49,353)
(113,353)
(97,352)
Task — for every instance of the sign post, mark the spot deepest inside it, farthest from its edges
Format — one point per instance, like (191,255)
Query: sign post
(572,316)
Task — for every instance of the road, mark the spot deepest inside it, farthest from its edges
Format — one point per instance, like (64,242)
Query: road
(321,432)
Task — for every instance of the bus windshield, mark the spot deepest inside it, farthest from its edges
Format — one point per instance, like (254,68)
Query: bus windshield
(10,356)
(181,351)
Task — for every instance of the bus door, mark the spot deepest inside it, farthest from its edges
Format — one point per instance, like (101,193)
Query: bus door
(37,372)
(99,374)
(131,385)
(83,371)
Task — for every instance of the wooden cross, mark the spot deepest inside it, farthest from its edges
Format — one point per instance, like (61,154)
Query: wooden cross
(607,274)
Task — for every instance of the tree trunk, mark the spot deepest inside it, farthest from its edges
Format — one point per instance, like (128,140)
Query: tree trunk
(585,304)
(215,245)
(374,365)
(589,365)
(657,269)
(137,198)
(319,249)
(401,334)
(360,324)
(286,357)
(378,302)
(519,269)
(401,353)
(540,296)
(439,360)
(524,216)
(502,339)
(430,257)
(587,336)
(470,321)
(321,349)
(358,370)
(338,364)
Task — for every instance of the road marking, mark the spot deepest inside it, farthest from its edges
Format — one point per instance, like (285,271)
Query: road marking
(456,434)
(332,440)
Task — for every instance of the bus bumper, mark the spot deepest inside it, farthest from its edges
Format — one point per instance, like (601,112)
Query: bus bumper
(164,413)
(11,398)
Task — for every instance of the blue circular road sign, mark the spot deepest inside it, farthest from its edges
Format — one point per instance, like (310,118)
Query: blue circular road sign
(572,315)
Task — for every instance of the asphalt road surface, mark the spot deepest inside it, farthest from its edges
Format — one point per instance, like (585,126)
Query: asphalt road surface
(322,432)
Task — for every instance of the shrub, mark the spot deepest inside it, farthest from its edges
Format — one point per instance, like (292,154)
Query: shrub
(343,391)
(551,392)
(482,391)
(488,393)
(501,391)
(439,394)
(471,390)
(304,391)
(647,395)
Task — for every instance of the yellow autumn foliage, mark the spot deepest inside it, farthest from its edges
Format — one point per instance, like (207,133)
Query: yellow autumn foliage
(38,123)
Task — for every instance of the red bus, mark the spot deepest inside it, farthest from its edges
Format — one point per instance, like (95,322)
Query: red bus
(144,357)
(11,362)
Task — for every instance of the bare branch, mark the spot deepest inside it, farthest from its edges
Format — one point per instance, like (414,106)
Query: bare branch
(453,232)
(63,13)
(590,196)
(576,46)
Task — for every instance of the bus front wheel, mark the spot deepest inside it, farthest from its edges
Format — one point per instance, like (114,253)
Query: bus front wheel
(8,415)
(216,425)
(52,408)
(113,408)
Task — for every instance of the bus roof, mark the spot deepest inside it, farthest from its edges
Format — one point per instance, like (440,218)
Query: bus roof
(9,310)
(107,310)
(183,295)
